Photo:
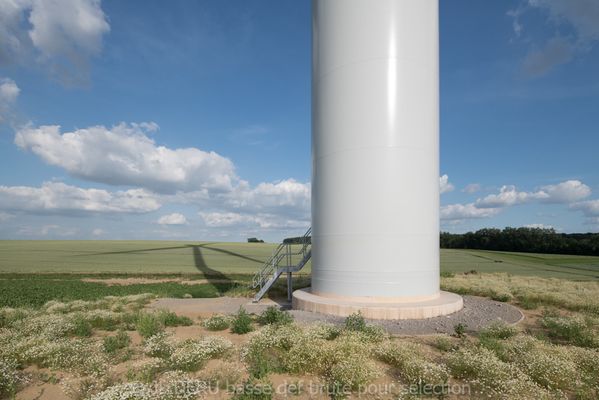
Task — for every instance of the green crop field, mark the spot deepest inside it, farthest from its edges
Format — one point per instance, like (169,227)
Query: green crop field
(542,265)
(132,257)
(216,258)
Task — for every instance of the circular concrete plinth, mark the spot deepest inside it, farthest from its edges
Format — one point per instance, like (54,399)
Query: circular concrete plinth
(444,304)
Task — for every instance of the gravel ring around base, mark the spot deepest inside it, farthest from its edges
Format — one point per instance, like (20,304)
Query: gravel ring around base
(478,313)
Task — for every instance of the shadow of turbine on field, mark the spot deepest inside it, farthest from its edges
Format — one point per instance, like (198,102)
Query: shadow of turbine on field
(132,251)
(232,253)
(212,276)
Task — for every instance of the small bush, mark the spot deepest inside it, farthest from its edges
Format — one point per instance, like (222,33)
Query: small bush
(148,325)
(254,389)
(159,345)
(242,322)
(498,330)
(81,327)
(114,343)
(460,330)
(323,331)
(268,351)
(528,303)
(355,322)
(216,323)
(346,365)
(444,343)
(490,377)
(146,372)
(10,378)
(191,355)
(266,361)
(169,318)
(272,315)
(501,296)
(572,330)
(548,365)
(8,316)
(369,333)
(447,274)
(129,320)
(223,376)
(103,319)
(411,365)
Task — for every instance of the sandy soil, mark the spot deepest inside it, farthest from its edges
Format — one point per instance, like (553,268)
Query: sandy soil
(43,388)
(201,308)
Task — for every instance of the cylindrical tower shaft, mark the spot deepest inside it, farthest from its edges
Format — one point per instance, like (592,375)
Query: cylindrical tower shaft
(375,149)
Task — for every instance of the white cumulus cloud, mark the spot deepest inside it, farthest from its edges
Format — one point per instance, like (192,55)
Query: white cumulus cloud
(444,184)
(227,219)
(561,193)
(9,91)
(590,208)
(61,35)
(539,226)
(508,196)
(172,219)
(466,211)
(287,196)
(249,221)
(566,192)
(57,197)
(125,155)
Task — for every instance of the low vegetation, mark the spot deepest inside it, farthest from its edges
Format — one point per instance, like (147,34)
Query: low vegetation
(501,361)
(100,342)
(273,315)
(531,292)
(241,322)
(31,290)
(217,323)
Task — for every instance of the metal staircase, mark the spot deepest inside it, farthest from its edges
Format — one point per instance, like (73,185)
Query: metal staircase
(289,256)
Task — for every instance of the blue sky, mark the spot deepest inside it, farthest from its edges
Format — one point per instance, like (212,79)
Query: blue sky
(191,120)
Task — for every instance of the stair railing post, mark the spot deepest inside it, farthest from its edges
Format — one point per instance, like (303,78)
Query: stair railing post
(289,278)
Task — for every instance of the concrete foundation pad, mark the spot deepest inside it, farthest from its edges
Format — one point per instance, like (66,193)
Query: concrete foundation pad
(444,304)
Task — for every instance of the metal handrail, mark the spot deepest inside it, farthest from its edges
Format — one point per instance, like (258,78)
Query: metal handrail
(268,267)
(271,267)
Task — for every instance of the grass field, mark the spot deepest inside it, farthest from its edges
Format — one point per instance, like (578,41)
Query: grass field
(215,258)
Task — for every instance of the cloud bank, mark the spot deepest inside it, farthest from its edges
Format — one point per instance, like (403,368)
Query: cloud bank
(569,193)
(60,198)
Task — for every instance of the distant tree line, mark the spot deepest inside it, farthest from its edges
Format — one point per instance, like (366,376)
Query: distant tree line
(528,240)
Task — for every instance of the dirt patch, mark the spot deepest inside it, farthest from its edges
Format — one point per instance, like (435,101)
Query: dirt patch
(46,391)
(144,281)
(41,386)
(206,307)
